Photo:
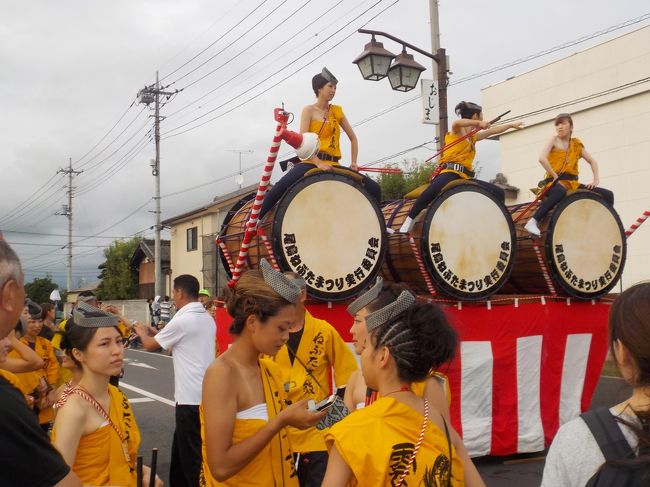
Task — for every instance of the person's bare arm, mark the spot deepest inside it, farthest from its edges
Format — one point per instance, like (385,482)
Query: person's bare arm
(348,398)
(467,122)
(146,334)
(436,395)
(28,360)
(219,400)
(472,477)
(498,129)
(543,158)
(70,480)
(69,424)
(338,473)
(594,168)
(354,143)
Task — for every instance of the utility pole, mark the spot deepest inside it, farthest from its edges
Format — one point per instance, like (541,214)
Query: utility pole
(240,177)
(441,68)
(67,211)
(148,95)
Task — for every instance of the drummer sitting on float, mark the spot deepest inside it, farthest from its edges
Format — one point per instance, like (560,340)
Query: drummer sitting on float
(456,162)
(326,121)
(560,159)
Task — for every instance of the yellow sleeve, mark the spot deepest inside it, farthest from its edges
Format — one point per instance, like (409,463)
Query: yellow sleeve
(56,340)
(341,358)
(52,369)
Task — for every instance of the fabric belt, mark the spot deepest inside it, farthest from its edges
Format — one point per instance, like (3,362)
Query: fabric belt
(454,166)
(561,177)
(326,157)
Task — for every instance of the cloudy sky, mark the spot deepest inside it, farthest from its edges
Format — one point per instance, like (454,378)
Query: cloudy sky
(70,72)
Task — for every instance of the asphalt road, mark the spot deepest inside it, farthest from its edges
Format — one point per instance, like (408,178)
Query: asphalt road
(148,382)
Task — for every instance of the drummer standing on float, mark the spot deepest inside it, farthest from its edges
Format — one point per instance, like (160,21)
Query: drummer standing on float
(457,161)
(560,159)
(325,120)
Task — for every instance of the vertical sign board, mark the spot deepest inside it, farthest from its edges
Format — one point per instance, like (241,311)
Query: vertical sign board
(430,107)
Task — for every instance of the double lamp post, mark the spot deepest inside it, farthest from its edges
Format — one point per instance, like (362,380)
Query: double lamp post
(403,72)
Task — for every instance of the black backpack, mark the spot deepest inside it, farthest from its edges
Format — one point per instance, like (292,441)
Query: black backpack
(604,427)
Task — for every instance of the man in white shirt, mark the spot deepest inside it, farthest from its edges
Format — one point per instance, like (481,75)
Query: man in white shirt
(190,337)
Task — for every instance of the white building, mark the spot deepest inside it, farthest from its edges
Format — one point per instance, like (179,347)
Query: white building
(607,90)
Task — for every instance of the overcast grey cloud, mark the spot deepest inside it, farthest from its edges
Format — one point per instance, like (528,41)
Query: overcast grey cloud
(70,69)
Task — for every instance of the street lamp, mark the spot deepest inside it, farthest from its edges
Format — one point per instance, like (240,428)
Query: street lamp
(374,61)
(405,72)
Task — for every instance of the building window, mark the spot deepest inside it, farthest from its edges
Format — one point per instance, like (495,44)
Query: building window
(191,239)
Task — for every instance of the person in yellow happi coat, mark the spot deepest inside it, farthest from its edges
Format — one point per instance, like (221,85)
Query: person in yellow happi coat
(560,159)
(400,439)
(95,429)
(314,348)
(40,383)
(243,410)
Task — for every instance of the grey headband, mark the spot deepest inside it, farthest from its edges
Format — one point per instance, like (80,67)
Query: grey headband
(35,311)
(280,283)
(366,298)
(86,299)
(88,316)
(403,302)
(326,73)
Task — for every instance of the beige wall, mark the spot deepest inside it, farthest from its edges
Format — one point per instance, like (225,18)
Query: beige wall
(190,262)
(615,128)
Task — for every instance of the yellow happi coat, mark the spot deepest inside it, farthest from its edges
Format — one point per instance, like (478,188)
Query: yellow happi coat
(461,153)
(321,348)
(557,158)
(376,442)
(273,466)
(329,132)
(100,457)
(49,371)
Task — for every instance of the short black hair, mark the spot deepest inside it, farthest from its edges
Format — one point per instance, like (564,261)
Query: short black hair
(188,284)
(317,82)
(466,109)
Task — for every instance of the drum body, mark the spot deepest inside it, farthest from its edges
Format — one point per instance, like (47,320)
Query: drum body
(326,228)
(466,240)
(583,248)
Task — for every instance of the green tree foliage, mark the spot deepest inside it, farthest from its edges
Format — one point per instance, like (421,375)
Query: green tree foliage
(119,281)
(415,173)
(40,288)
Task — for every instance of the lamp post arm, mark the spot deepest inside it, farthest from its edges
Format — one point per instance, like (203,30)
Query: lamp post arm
(400,41)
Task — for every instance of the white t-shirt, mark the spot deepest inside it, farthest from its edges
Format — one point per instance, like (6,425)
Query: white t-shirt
(574,456)
(190,335)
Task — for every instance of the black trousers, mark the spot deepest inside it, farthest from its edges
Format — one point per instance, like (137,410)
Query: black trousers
(186,459)
(557,192)
(295,174)
(442,180)
(311,468)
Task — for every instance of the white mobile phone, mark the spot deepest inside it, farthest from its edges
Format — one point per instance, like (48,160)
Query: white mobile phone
(326,403)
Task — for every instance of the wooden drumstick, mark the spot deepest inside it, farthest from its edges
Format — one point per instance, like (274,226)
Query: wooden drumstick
(154,461)
(138,471)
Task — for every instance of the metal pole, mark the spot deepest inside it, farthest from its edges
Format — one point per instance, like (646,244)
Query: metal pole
(435,47)
(158,285)
(442,95)
(69,279)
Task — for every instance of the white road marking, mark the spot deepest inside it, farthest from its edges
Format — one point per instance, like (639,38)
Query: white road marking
(141,364)
(153,396)
(150,353)
(140,399)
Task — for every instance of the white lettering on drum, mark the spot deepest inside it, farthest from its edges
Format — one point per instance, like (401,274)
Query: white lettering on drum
(472,285)
(588,285)
(333,284)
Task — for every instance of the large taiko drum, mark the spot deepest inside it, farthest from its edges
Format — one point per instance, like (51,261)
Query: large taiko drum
(582,249)
(465,238)
(326,228)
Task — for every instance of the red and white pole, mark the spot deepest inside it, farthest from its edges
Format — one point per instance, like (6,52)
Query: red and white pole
(639,221)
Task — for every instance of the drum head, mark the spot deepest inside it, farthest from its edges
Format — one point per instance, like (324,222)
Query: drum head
(468,242)
(586,245)
(330,231)
(224,228)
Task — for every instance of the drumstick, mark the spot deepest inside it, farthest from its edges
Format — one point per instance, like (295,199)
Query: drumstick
(138,471)
(154,461)
(466,136)
(537,198)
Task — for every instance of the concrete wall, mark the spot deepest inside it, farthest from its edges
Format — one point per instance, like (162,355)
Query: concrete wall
(133,309)
(614,127)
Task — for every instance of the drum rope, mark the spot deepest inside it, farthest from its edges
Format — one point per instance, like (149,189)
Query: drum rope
(226,254)
(545,273)
(269,249)
(251,225)
(637,223)
(423,271)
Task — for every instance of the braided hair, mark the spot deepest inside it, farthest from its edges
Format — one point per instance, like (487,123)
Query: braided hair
(419,339)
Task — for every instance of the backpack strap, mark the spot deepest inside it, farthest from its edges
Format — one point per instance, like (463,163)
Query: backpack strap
(608,434)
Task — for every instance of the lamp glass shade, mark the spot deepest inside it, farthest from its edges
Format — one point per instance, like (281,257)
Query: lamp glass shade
(374,61)
(405,72)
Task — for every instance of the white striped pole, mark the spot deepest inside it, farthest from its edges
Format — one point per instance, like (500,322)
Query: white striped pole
(639,221)
(251,224)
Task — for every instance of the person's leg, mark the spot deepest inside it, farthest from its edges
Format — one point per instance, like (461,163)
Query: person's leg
(187,438)
(492,188)
(311,468)
(373,188)
(553,197)
(427,196)
(175,469)
(281,187)
(606,194)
